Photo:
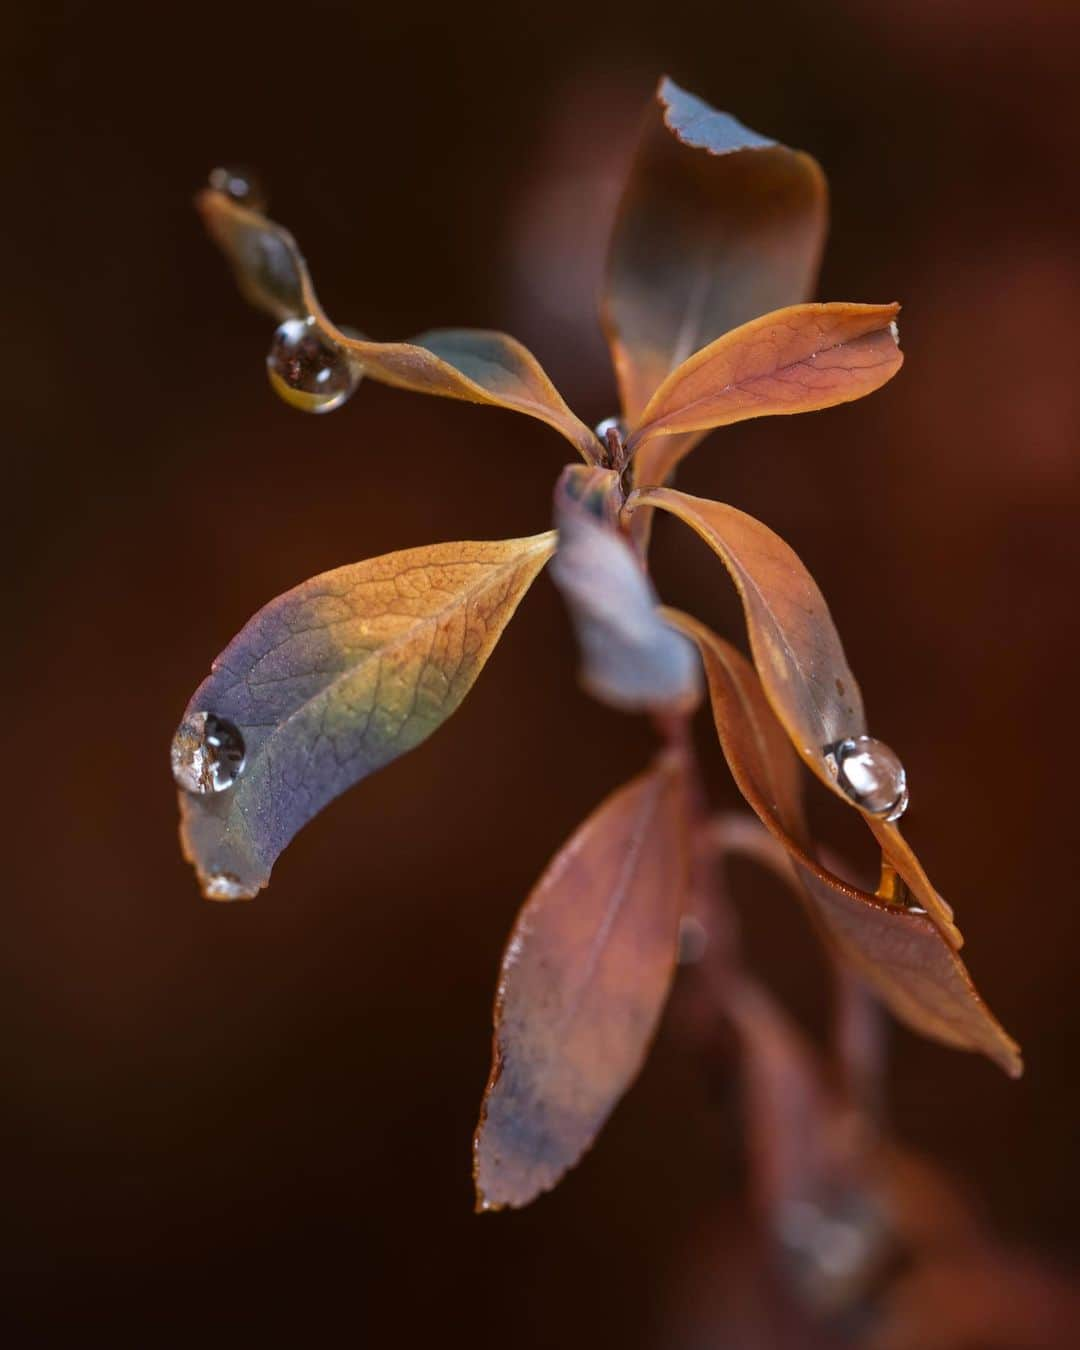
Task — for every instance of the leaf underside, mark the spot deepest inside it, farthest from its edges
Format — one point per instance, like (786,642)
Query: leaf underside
(583,982)
(338,677)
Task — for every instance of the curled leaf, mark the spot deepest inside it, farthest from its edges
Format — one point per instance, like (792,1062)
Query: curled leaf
(905,955)
(799,656)
(799,359)
(328,683)
(583,982)
(716,226)
(631,658)
(476,365)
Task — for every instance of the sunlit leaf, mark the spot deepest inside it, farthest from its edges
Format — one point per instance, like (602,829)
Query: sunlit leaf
(717,225)
(476,365)
(331,681)
(798,359)
(899,950)
(631,658)
(800,659)
(582,986)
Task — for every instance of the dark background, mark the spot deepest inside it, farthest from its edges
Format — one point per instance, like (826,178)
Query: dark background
(248,1123)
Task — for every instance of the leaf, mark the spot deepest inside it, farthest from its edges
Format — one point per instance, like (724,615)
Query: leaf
(335,679)
(901,952)
(717,225)
(476,365)
(631,659)
(583,982)
(795,645)
(798,359)
(799,657)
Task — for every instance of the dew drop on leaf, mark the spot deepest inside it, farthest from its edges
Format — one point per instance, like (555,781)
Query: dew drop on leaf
(207,753)
(308,370)
(872,776)
(239,185)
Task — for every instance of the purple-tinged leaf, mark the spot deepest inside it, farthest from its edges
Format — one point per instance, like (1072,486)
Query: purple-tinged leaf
(328,683)
(583,983)
(631,659)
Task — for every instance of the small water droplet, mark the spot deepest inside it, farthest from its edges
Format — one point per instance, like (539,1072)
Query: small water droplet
(308,370)
(239,185)
(207,753)
(610,424)
(872,775)
(225,886)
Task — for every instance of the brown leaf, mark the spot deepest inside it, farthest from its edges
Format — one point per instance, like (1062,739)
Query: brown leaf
(328,683)
(717,225)
(901,952)
(800,659)
(631,659)
(583,982)
(476,365)
(798,359)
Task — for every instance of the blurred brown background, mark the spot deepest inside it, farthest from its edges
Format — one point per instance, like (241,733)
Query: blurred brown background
(252,1123)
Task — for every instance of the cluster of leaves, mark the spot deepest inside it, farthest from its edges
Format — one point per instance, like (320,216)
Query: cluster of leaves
(714,252)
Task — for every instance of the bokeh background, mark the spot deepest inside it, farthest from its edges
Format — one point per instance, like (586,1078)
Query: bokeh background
(251,1123)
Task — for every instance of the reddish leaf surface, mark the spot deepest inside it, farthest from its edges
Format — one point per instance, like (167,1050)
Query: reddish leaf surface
(583,983)
(799,359)
(476,365)
(335,679)
(717,225)
(900,952)
(631,659)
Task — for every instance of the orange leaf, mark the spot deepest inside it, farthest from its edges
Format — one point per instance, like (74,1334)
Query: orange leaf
(899,951)
(583,982)
(476,365)
(798,359)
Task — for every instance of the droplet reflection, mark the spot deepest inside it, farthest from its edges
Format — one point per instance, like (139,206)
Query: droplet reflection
(207,753)
(308,370)
(239,185)
(872,776)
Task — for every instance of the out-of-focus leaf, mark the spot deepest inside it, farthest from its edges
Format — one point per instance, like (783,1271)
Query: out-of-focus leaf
(799,656)
(798,359)
(901,952)
(336,678)
(476,365)
(631,658)
(582,986)
(717,226)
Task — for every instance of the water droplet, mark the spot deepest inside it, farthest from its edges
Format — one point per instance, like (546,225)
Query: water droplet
(610,424)
(207,753)
(308,370)
(239,185)
(872,775)
(225,886)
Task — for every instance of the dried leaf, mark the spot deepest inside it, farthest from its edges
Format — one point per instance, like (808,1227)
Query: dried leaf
(798,359)
(336,678)
(583,983)
(717,225)
(900,952)
(476,365)
(800,659)
(631,658)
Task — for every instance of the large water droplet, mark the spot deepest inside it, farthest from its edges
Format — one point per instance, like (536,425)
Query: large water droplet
(239,185)
(872,775)
(207,753)
(308,370)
